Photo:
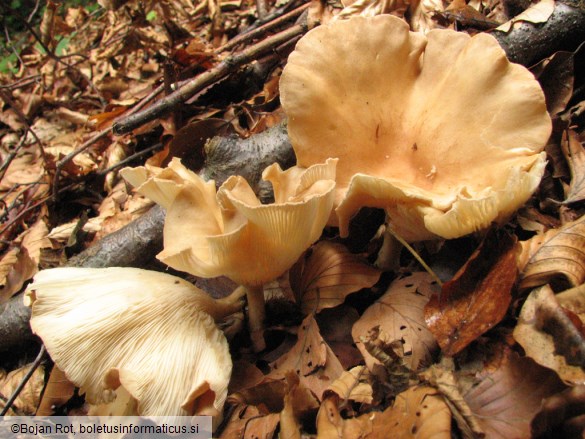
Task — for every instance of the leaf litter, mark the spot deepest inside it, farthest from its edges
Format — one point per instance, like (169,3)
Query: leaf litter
(352,351)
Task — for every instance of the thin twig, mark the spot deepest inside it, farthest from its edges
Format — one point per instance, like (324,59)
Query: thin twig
(253,33)
(24,380)
(228,65)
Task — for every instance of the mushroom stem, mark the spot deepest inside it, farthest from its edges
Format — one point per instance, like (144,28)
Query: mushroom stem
(256,313)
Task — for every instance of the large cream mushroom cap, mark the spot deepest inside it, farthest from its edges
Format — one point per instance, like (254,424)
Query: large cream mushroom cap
(149,332)
(230,232)
(440,130)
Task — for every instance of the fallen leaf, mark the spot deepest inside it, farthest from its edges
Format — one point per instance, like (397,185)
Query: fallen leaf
(575,156)
(549,337)
(555,75)
(399,314)
(354,385)
(573,300)
(17,267)
(507,396)
(556,257)
(28,399)
(299,405)
(335,324)
(328,275)
(417,412)
(310,358)
(537,13)
(57,392)
(561,415)
(249,422)
(478,296)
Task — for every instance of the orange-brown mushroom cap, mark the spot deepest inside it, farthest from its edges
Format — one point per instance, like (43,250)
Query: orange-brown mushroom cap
(441,130)
(230,232)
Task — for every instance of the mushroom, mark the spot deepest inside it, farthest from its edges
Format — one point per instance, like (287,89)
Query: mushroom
(231,233)
(440,130)
(151,333)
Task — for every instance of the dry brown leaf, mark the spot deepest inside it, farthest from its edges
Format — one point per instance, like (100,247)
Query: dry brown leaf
(58,391)
(556,257)
(478,296)
(399,314)
(310,358)
(417,412)
(28,399)
(17,267)
(573,300)
(549,337)
(250,422)
(537,13)
(328,275)
(508,395)
(561,415)
(299,403)
(556,77)
(575,156)
(336,324)
(354,385)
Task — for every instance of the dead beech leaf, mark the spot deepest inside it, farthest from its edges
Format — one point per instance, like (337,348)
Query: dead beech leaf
(417,412)
(299,403)
(561,415)
(537,13)
(28,399)
(556,77)
(328,275)
(556,257)
(575,156)
(354,385)
(250,422)
(57,392)
(549,337)
(399,314)
(478,296)
(508,396)
(310,358)
(17,267)
(573,300)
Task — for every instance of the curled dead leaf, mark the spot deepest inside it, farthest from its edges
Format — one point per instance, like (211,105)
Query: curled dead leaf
(575,156)
(328,275)
(478,296)
(549,336)
(28,399)
(354,385)
(556,257)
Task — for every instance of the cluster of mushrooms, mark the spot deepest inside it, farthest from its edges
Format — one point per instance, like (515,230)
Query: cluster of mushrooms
(440,130)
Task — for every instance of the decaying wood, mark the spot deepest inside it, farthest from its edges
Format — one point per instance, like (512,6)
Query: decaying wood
(137,243)
(564,30)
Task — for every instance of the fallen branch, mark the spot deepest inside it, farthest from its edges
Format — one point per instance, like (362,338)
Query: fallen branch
(529,43)
(220,71)
(136,244)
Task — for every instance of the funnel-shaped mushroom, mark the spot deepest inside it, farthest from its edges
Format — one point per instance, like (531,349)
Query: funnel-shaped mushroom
(441,131)
(231,233)
(149,332)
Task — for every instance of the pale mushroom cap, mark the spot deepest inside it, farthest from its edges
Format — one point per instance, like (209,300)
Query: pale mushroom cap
(434,124)
(232,234)
(144,330)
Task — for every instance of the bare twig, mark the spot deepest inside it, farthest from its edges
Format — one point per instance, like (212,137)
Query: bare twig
(228,65)
(253,33)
